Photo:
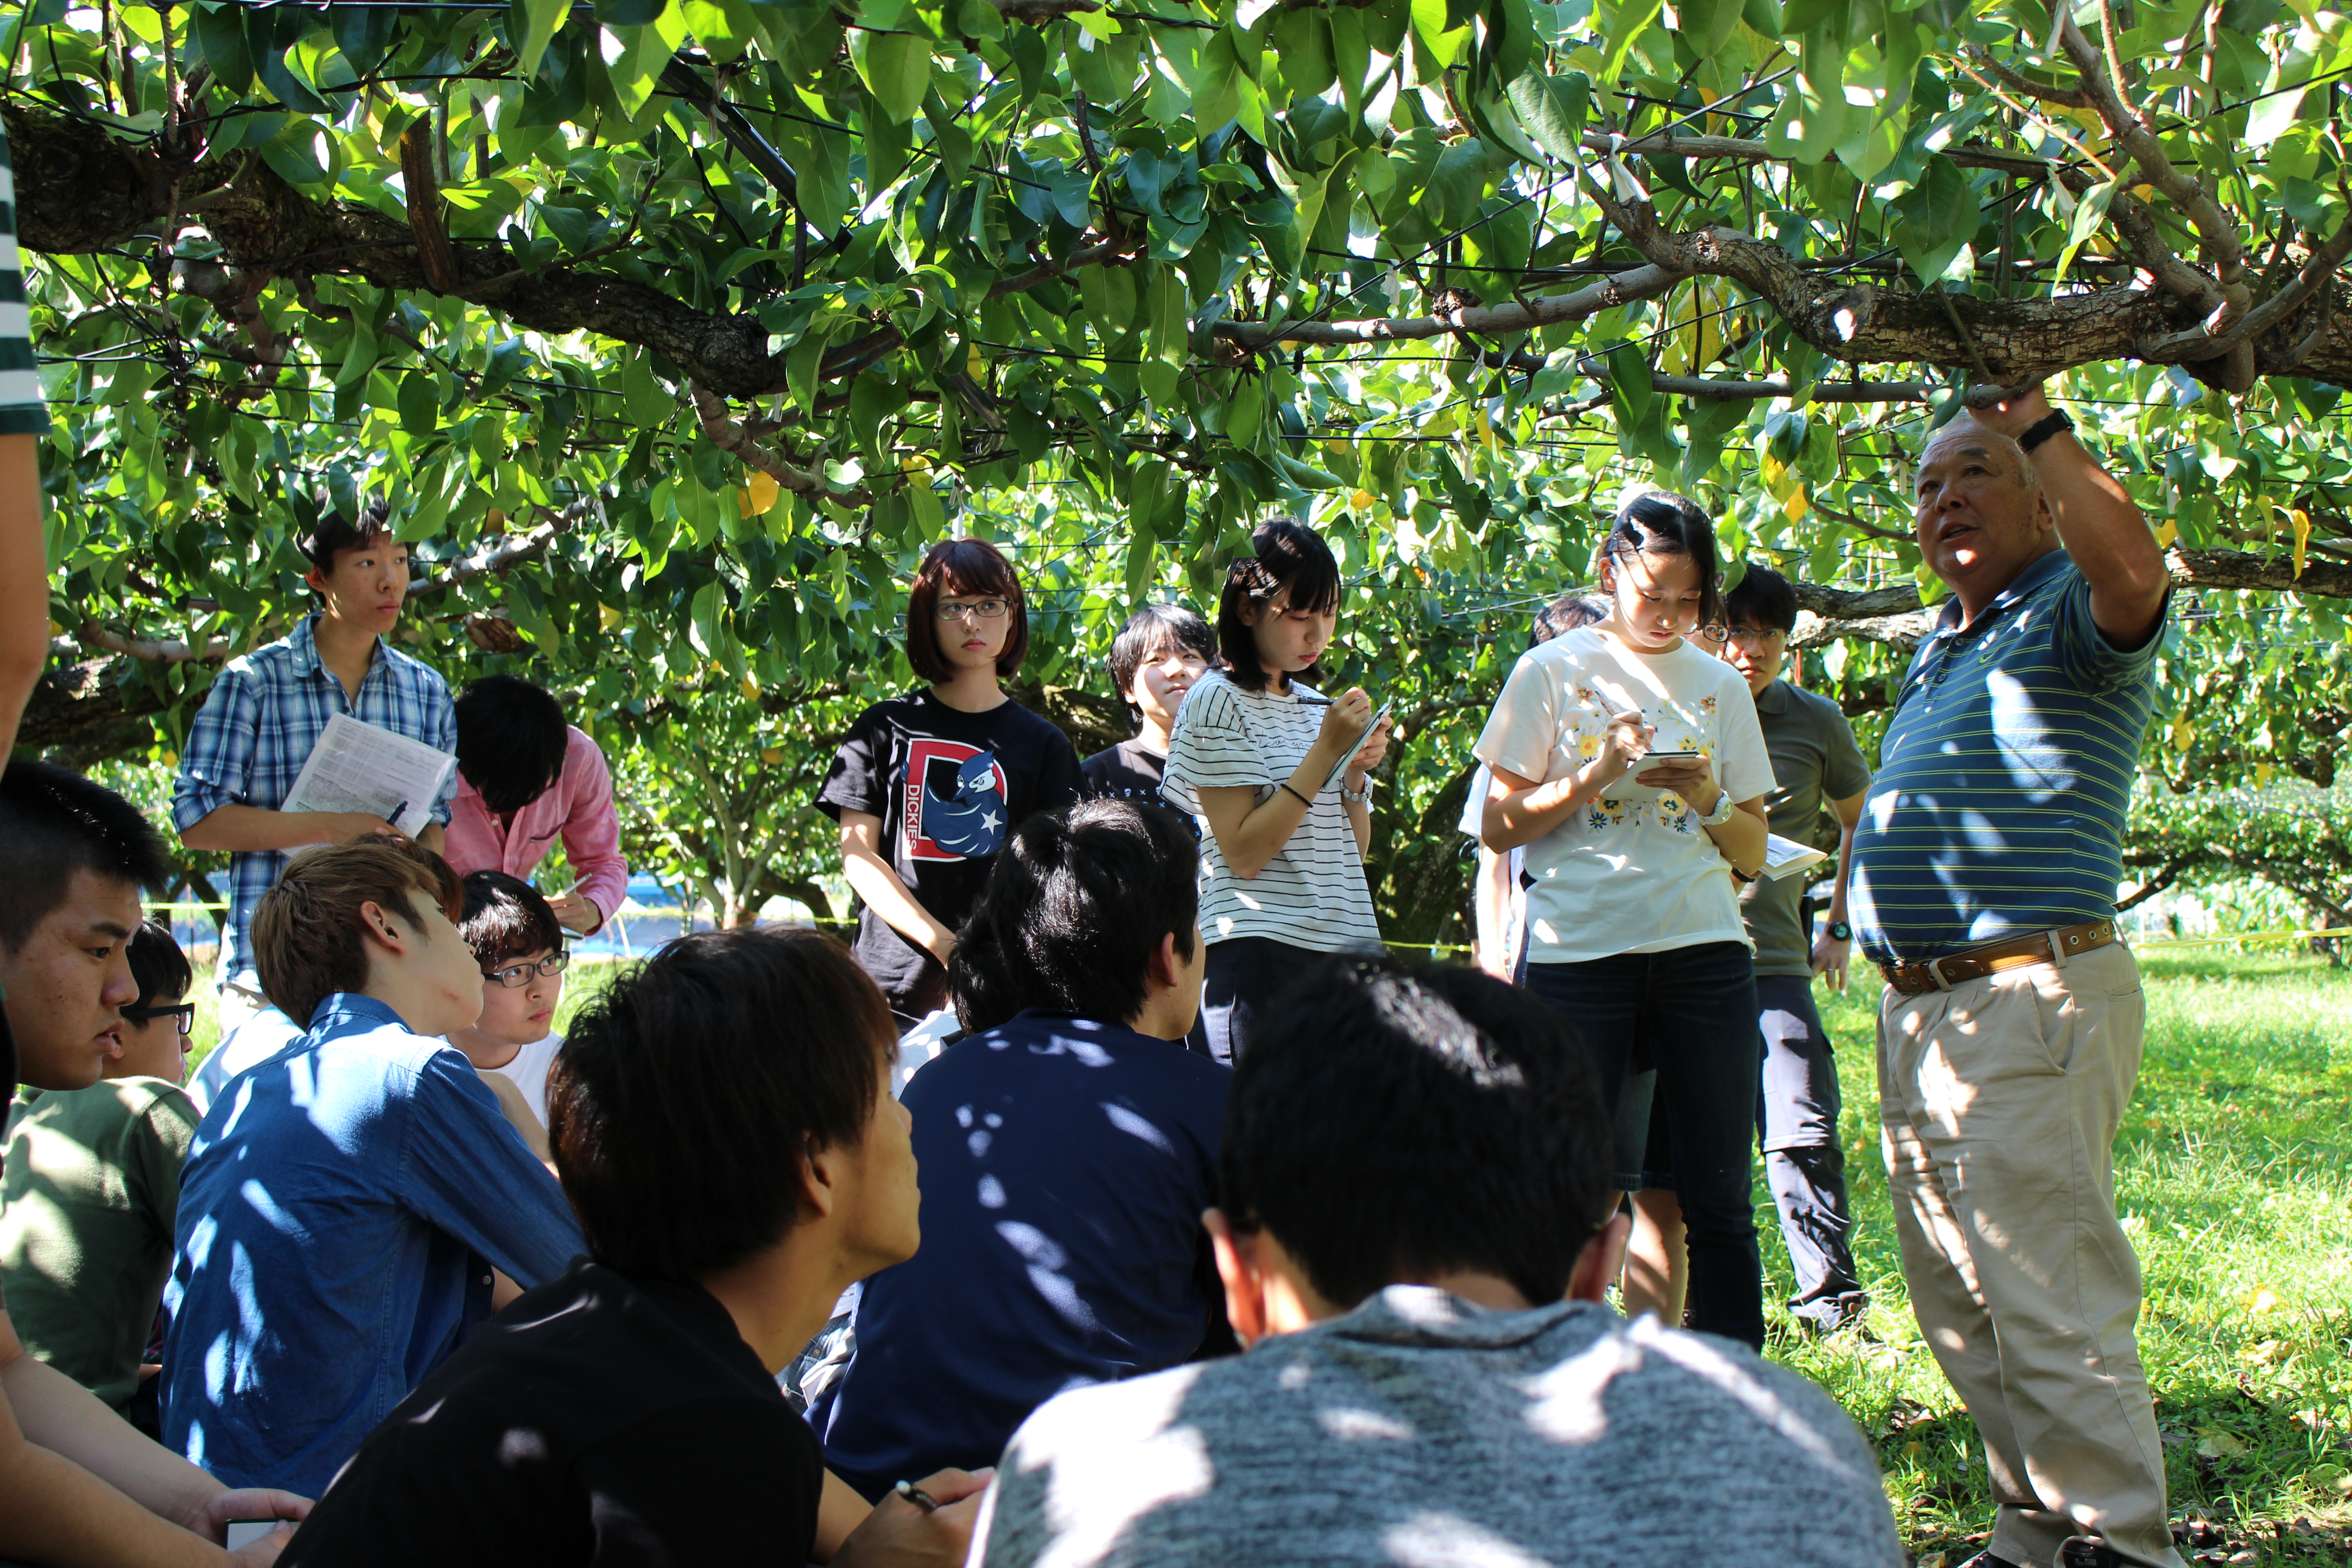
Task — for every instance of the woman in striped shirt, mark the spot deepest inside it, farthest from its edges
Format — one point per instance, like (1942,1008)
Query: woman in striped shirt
(1256,753)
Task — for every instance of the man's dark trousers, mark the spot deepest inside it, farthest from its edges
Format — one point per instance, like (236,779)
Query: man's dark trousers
(1797,1125)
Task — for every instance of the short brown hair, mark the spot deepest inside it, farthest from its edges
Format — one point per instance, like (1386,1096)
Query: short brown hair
(686,1095)
(963,566)
(306,931)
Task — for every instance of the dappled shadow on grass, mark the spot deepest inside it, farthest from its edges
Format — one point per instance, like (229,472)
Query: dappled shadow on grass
(2234,1175)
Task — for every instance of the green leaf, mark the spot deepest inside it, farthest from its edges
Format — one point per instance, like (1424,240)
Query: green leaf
(1552,110)
(1708,25)
(420,404)
(1622,22)
(1936,217)
(539,19)
(2090,211)
(219,32)
(1441,43)
(897,68)
(1217,90)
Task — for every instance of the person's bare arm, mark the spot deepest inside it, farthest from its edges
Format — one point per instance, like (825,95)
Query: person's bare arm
(876,882)
(24,581)
(432,837)
(839,1512)
(1520,810)
(1831,956)
(1250,832)
(251,828)
(80,1485)
(518,1111)
(1491,909)
(2102,528)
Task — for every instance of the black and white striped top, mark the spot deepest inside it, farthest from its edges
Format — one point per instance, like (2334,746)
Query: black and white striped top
(1311,895)
(21,413)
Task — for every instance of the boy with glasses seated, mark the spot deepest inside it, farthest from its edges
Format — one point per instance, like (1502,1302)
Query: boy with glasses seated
(92,1183)
(518,941)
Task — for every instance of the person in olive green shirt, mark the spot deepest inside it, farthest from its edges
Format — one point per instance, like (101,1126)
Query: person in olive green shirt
(91,1189)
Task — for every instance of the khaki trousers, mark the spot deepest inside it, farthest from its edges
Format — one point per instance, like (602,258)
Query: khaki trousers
(1999,1101)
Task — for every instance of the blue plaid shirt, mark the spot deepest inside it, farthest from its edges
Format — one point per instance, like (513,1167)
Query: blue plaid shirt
(264,713)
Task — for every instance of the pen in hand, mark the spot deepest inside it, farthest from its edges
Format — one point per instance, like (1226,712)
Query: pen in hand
(392,818)
(917,1496)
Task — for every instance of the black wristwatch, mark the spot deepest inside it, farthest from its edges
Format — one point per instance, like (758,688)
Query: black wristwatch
(1840,932)
(2041,430)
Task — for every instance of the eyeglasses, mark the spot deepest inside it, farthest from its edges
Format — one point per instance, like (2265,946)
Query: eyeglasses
(519,974)
(185,1012)
(986,609)
(1715,635)
(1756,637)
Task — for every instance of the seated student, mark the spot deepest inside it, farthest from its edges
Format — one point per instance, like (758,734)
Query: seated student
(79,1486)
(346,1200)
(91,1181)
(1068,1153)
(1158,655)
(722,1126)
(520,946)
(525,779)
(1411,1237)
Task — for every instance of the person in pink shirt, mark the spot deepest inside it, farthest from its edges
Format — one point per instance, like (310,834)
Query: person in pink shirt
(526,778)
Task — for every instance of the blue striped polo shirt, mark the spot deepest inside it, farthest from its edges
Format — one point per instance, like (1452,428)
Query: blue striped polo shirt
(2004,775)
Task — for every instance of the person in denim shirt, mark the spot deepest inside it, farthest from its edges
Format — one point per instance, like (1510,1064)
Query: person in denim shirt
(346,1201)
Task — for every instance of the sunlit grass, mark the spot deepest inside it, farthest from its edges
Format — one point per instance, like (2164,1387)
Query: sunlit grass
(2234,1173)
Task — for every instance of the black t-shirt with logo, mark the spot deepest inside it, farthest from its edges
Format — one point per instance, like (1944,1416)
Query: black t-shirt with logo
(1130,772)
(948,787)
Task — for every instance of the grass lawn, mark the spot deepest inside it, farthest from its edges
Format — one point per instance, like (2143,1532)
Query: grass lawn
(2235,1173)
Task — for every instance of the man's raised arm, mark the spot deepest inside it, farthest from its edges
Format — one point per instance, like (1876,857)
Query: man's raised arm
(2101,527)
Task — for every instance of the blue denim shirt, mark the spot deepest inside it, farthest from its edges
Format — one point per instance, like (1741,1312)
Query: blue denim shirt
(336,1214)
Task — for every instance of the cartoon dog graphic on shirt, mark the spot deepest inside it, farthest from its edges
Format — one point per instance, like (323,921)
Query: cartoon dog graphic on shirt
(972,822)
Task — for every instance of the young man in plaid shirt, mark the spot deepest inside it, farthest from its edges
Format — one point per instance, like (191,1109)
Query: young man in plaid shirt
(267,710)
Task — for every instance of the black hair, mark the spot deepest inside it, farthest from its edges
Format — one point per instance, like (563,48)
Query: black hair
(1074,909)
(1396,1115)
(506,918)
(1148,630)
(339,530)
(1763,597)
(54,823)
(1659,522)
(511,740)
(1282,554)
(1577,607)
(686,1095)
(158,967)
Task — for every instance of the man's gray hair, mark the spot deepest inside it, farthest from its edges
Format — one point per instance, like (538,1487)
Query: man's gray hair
(2027,474)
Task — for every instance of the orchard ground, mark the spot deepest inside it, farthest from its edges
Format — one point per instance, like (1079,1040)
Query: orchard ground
(2234,1175)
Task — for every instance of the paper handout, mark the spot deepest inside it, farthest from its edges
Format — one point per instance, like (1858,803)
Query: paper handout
(360,767)
(1786,856)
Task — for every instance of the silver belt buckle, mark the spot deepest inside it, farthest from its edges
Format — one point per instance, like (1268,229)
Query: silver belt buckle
(1936,974)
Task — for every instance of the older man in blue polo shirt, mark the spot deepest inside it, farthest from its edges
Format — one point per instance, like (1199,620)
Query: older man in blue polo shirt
(2008,1036)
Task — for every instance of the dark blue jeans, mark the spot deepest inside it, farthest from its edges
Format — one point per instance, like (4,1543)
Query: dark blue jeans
(1694,1007)
(1797,1124)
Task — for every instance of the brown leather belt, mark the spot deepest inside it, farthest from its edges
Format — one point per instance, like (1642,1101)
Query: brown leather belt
(2011,952)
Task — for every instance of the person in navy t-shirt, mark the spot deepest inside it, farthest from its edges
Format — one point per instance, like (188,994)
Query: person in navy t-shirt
(1068,1147)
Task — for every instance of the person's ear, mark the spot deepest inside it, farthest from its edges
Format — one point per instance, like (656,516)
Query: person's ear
(316,579)
(1602,1260)
(379,930)
(1243,1269)
(1166,970)
(820,1177)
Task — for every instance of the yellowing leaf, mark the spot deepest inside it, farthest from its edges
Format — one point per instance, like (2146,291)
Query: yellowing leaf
(1485,428)
(913,463)
(2301,521)
(608,617)
(2182,733)
(771,755)
(2165,534)
(763,491)
(2262,776)
(751,689)
(2220,1446)
(1797,506)
(975,363)
(1361,500)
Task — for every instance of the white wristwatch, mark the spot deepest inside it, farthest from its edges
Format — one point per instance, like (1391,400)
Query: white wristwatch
(1721,814)
(1358,796)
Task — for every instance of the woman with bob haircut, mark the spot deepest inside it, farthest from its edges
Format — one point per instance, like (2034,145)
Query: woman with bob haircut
(1257,754)
(1634,929)
(926,785)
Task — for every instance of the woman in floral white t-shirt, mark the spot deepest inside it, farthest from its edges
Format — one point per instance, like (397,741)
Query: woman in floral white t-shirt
(1633,927)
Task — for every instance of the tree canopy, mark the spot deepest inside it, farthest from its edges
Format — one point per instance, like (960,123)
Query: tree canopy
(672,329)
